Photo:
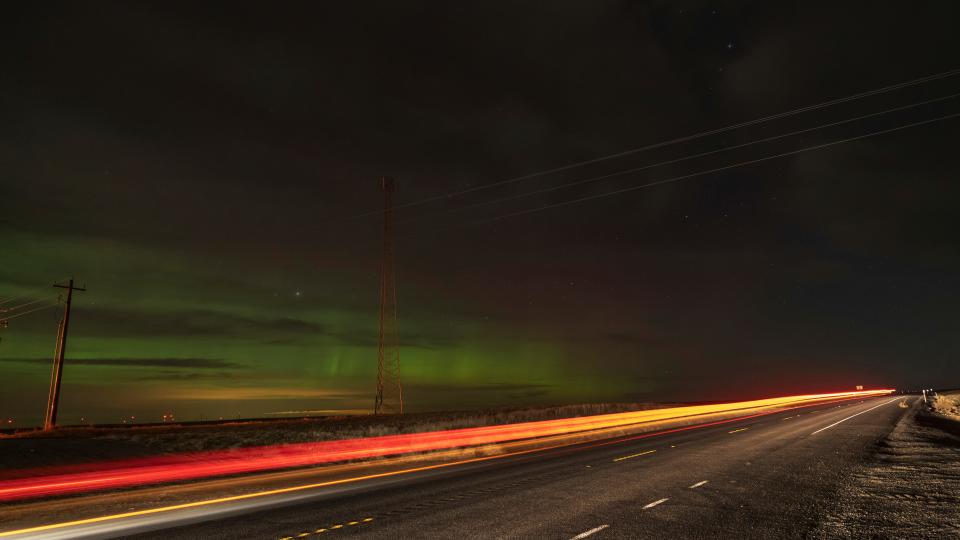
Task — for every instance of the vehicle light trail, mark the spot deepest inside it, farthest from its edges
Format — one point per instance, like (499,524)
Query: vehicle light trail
(135,472)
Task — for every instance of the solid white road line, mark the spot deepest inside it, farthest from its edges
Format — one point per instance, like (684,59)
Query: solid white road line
(585,534)
(698,484)
(852,415)
(654,503)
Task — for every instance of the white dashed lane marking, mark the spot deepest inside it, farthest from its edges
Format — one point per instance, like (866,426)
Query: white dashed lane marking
(654,503)
(585,534)
(853,415)
(698,484)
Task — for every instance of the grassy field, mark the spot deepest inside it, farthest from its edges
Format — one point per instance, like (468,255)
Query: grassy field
(83,444)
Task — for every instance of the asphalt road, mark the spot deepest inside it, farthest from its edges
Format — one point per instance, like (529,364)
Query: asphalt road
(767,477)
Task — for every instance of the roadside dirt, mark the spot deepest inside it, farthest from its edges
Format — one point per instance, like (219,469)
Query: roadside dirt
(911,487)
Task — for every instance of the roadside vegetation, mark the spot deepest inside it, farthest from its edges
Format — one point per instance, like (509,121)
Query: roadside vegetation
(90,443)
(948,405)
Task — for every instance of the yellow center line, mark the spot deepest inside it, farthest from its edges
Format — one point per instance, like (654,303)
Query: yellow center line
(332,527)
(634,455)
(278,491)
(739,430)
(292,489)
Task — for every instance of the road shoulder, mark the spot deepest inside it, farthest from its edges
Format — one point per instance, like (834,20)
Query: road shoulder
(909,488)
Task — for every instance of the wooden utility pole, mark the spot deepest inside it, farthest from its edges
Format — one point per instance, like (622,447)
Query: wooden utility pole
(53,400)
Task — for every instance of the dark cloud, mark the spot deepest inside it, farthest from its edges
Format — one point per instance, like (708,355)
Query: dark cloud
(132,323)
(637,340)
(213,161)
(185,363)
(187,376)
(474,394)
(420,340)
(506,387)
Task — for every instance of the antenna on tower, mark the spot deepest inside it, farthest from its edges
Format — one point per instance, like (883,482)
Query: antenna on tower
(389,393)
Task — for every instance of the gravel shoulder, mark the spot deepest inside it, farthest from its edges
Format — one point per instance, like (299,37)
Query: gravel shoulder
(910,488)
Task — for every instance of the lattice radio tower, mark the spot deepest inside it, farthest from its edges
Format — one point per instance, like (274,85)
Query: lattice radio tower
(389,392)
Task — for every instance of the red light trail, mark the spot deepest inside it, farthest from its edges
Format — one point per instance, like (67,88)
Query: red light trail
(135,472)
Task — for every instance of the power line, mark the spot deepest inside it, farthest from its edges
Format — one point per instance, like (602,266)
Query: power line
(677,140)
(11,317)
(14,308)
(19,296)
(695,156)
(718,169)
(28,294)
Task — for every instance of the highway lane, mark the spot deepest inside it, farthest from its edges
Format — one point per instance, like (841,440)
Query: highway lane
(770,476)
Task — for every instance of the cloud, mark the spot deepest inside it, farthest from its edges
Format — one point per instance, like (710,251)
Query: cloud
(187,376)
(122,322)
(325,412)
(355,338)
(509,390)
(186,363)
(420,340)
(259,393)
(633,339)
(504,387)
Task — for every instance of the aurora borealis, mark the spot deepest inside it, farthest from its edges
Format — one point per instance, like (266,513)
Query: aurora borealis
(201,170)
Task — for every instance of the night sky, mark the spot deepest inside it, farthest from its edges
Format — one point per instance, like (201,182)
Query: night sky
(209,173)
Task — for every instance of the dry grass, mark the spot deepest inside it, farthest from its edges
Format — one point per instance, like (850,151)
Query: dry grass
(80,444)
(351,427)
(948,405)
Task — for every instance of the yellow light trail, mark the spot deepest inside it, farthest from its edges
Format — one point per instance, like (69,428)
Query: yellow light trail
(278,491)
(587,423)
